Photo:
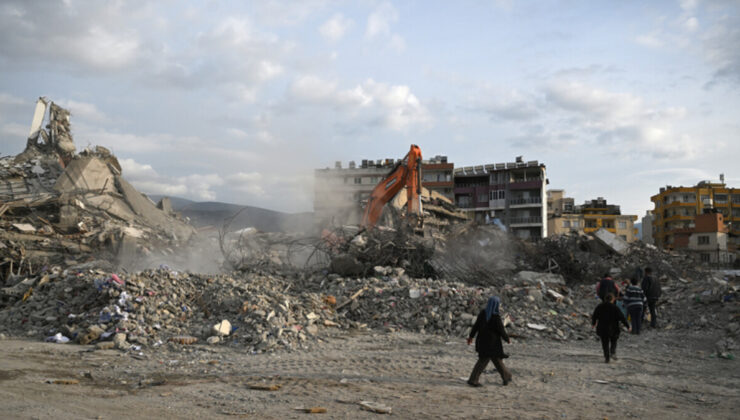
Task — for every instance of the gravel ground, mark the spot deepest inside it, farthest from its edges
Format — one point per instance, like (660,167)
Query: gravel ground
(659,374)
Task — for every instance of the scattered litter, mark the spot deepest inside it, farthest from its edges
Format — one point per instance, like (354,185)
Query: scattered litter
(264,387)
(375,407)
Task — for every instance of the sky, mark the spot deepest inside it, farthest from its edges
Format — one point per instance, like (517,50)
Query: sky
(240,101)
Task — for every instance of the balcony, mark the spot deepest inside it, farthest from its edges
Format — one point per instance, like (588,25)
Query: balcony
(526,202)
(531,220)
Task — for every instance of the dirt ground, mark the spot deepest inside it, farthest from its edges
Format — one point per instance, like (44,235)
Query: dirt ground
(659,375)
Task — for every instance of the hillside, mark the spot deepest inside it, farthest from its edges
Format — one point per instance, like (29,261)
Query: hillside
(214,214)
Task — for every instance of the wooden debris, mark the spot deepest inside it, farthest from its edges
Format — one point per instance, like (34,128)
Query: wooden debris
(183,339)
(265,387)
(311,410)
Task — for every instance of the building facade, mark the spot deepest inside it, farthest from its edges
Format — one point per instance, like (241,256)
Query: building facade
(677,207)
(707,239)
(590,217)
(648,220)
(340,193)
(513,192)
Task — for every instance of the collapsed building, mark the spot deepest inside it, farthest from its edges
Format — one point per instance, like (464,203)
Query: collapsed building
(60,207)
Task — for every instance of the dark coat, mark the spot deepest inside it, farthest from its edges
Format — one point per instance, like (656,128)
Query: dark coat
(489,335)
(651,287)
(609,317)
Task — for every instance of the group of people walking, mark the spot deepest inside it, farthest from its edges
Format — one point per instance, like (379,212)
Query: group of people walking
(637,300)
(638,297)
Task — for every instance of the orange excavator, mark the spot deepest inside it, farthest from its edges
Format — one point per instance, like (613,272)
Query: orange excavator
(406,173)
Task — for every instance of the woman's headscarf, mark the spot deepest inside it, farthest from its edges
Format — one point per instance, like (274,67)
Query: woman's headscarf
(492,307)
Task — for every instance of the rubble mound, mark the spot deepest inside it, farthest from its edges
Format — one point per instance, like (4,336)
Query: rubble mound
(63,208)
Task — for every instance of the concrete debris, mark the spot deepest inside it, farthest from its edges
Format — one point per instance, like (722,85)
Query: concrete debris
(61,208)
(611,240)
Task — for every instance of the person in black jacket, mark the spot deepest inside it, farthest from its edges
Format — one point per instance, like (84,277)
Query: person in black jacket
(488,331)
(651,288)
(606,319)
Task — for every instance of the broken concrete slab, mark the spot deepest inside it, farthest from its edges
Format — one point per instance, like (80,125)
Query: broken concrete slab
(86,174)
(614,242)
(531,278)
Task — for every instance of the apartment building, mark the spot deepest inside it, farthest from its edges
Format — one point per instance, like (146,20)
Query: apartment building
(589,217)
(675,209)
(648,221)
(340,193)
(707,239)
(512,192)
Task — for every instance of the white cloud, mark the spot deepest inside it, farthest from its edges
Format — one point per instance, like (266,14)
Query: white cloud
(145,179)
(720,45)
(380,20)
(251,182)
(504,104)
(335,28)
(84,111)
(621,121)
(649,40)
(379,26)
(395,106)
(94,37)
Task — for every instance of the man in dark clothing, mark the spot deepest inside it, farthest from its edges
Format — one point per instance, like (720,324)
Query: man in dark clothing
(606,319)
(651,288)
(606,286)
(488,331)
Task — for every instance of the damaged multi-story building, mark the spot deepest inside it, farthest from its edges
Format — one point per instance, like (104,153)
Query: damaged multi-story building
(592,215)
(512,194)
(676,209)
(341,192)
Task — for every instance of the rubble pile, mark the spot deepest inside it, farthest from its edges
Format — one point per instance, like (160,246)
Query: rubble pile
(62,208)
(584,258)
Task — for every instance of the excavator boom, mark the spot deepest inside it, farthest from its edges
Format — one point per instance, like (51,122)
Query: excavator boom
(406,173)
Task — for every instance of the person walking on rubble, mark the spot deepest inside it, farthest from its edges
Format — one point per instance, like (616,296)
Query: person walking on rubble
(488,331)
(634,300)
(651,288)
(606,286)
(606,319)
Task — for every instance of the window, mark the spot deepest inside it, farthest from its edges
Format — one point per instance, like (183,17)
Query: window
(703,240)
(624,237)
(704,257)
(482,198)
(358,180)
(688,198)
(622,225)
(566,223)
(346,180)
(735,198)
(575,224)
(501,194)
(374,180)
(720,198)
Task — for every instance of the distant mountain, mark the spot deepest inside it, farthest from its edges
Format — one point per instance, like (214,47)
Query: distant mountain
(209,213)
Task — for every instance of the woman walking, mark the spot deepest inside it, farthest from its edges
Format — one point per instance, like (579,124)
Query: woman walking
(489,330)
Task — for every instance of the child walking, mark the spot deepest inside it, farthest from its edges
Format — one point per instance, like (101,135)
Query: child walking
(634,299)
(606,319)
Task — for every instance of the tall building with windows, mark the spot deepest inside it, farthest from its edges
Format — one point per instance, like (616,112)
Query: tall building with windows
(589,217)
(676,208)
(512,192)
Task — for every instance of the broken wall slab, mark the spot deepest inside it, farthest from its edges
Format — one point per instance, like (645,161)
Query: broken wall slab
(155,217)
(614,242)
(86,174)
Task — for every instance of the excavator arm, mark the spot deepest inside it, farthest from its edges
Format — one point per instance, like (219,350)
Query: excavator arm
(406,173)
